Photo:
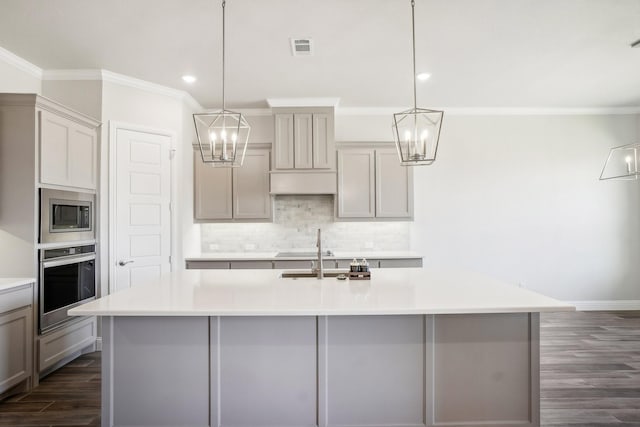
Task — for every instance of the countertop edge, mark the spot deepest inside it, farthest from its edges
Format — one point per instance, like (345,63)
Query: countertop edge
(7,283)
(266,313)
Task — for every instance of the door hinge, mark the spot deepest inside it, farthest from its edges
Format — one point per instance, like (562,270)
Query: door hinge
(169,259)
(172,153)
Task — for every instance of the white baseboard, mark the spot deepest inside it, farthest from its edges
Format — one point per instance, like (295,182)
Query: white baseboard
(606,305)
(99,344)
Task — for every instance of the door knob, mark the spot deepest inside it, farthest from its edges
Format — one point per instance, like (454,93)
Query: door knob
(123,263)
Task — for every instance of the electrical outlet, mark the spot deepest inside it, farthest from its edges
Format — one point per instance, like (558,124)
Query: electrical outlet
(249,247)
(368,245)
(214,246)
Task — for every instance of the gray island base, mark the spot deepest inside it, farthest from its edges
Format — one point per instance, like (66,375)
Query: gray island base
(249,348)
(365,370)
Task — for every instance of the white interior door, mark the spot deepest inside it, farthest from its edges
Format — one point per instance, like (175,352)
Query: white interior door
(142,207)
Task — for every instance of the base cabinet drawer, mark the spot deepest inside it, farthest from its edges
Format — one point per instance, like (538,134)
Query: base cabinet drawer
(207,265)
(64,342)
(16,347)
(401,263)
(250,265)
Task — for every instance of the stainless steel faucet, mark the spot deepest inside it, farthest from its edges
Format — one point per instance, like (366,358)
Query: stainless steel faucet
(319,262)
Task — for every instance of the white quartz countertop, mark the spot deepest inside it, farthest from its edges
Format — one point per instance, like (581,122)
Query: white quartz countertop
(265,293)
(271,256)
(13,282)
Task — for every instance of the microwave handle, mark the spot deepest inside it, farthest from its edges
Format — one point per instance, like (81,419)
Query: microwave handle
(68,260)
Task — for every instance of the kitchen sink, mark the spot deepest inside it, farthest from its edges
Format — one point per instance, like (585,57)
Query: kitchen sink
(302,254)
(300,274)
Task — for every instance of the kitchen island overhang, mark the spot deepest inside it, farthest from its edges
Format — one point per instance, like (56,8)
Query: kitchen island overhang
(248,348)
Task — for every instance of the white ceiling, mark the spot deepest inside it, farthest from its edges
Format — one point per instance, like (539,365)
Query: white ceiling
(481,53)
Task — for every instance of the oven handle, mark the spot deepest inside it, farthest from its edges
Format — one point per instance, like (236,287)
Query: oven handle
(68,260)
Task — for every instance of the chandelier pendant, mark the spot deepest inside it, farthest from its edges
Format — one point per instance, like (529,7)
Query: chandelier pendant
(222,135)
(416,131)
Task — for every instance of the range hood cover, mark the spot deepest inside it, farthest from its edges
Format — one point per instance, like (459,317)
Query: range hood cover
(303,182)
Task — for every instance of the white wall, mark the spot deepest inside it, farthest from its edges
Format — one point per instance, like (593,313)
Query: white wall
(518,197)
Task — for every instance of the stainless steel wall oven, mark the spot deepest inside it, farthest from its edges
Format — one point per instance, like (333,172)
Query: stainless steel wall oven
(67,279)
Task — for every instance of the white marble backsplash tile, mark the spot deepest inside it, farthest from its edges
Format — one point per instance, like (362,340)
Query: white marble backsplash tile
(295,223)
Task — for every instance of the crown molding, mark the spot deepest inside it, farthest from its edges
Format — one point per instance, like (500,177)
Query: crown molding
(121,79)
(507,111)
(14,60)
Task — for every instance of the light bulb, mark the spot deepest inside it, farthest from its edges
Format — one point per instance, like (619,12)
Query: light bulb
(628,161)
(212,135)
(223,135)
(234,137)
(407,135)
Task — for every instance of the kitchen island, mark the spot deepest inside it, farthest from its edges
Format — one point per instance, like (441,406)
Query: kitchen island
(410,347)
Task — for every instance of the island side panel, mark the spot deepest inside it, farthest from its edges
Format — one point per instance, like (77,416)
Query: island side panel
(484,369)
(158,371)
(373,371)
(267,371)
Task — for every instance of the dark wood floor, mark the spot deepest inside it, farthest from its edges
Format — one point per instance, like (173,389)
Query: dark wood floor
(590,369)
(590,377)
(68,397)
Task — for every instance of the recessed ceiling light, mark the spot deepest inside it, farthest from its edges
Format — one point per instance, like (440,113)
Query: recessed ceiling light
(423,76)
(188,79)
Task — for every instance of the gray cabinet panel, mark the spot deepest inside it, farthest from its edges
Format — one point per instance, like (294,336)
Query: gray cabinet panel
(324,150)
(267,371)
(161,375)
(15,347)
(476,353)
(375,370)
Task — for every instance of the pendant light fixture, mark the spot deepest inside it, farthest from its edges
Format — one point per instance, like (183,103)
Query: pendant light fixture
(416,131)
(622,163)
(222,135)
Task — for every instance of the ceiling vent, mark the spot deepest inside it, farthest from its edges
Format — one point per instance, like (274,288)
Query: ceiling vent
(301,46)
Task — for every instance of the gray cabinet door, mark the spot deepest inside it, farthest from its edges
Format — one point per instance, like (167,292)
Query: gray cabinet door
(212,188)
(324,149)
(394,191)
(16,346)
(356,182)
(303,137)
(251,199)
(283,141)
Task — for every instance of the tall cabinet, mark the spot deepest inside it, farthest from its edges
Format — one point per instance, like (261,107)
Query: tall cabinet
(43,144)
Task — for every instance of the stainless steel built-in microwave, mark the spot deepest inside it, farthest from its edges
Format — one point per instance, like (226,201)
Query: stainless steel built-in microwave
(66,216)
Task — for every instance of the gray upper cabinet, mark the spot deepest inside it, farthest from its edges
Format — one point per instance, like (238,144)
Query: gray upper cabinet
(372,184)
(304,140)
(284,140)
(251,199)
(213,193)
(394,186)
(68,151)
(233,193)
(356,183)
